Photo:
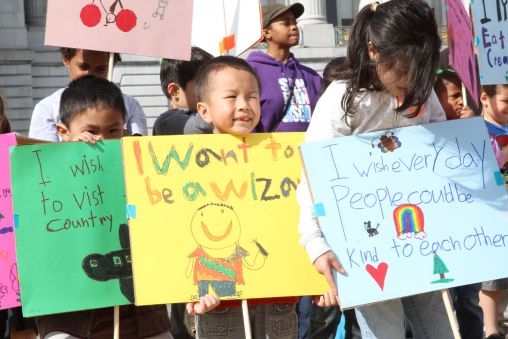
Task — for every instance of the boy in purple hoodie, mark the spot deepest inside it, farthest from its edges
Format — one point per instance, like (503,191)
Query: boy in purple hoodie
(289,90)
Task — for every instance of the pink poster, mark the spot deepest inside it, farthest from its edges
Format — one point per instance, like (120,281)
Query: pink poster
(461,44)
(157,28)
(9,284)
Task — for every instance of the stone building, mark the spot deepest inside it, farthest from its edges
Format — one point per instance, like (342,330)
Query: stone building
(29,71)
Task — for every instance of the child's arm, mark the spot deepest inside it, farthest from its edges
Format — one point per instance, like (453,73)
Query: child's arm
(205,304)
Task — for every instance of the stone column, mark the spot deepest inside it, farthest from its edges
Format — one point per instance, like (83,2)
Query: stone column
(316,32)
(35,11)
(315,12)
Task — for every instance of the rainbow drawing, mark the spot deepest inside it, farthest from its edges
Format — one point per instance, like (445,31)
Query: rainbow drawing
(409,221)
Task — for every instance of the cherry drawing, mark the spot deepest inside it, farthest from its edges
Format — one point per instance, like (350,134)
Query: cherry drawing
(125,19)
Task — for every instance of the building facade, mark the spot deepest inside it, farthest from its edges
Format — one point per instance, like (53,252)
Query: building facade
(29,71)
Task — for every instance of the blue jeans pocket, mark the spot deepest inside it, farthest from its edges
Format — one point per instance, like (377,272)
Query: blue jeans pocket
(282,321)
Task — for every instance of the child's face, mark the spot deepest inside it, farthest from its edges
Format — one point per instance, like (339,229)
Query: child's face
(450,98)
(86,62)
(392,78)
(106,123)
(183,97)
(283,31)
(495,108)
(232,103)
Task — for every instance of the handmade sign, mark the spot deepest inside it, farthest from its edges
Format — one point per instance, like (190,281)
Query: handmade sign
(216,214)
(226,27)
(9,283)
(123,26)
(491,28)
(410,210)
(461,45)
(72,234)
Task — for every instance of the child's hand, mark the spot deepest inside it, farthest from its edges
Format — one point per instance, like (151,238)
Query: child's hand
(330,298)
(205,304)
(87,137)
(466,112)
(324,264)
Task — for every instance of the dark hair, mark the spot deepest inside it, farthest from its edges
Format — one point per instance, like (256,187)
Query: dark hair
(491,90)
(69,53)
(401,31)
(181,72)
(446,75)
(87,92)
(217,64)
(5,126)
(333,71)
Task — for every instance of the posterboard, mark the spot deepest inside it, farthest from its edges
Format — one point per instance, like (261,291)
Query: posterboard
(72,233)
(410,210)
(491,28)
(461,46)
(157,28)
(226,27)
(216,214)
(9,282)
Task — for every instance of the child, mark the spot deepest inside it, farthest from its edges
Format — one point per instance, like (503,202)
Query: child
(448,87)
(228,99)
(289,90)
(392,56)
(80,62)
(494,100)
(177,81)
(92,109)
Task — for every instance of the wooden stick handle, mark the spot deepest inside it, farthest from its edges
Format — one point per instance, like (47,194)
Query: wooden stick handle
(116,322)
(246,321)
(451,315)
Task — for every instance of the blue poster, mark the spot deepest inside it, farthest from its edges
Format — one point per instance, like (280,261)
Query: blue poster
(491,29)
(410,210)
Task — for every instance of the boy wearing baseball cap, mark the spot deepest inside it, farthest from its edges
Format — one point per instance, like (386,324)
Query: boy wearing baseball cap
(289,90)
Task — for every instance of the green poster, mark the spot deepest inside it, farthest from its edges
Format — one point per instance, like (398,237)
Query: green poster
(71,227)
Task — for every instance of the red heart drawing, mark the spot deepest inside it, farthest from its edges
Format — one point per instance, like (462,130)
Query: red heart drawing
(379,273)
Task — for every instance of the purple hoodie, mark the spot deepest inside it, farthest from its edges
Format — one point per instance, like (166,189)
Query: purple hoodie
(276,78)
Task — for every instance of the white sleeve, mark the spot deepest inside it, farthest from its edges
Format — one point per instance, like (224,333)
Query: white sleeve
(435,110)
(44,119)
(327,122)
(135,121)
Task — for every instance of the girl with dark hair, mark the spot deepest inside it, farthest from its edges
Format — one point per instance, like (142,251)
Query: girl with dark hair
(392,57)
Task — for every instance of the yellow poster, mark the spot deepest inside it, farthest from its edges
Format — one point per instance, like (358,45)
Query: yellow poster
(216,214)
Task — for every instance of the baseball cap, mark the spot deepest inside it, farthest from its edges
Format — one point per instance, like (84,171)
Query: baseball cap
(271,11)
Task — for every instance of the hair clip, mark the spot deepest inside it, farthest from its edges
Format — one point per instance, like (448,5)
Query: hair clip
(373,6)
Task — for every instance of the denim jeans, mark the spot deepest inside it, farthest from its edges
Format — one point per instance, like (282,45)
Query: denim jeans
(469,313)
(385,320)
(271,321)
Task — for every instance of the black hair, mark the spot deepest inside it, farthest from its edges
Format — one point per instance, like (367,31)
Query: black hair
(181,72)
(402,31)
(217,64)
(5,126)
(333,71)
(491,90)
(69,53)
(449,76)
(88,92)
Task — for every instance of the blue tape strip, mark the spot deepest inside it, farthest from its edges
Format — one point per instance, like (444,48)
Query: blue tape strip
(499,178)
(15,218)
(481,77)
(131,211)
(477,41)
(319,210)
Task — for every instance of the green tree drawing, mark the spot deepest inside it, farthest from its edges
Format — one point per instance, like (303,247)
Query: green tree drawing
(440,268)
